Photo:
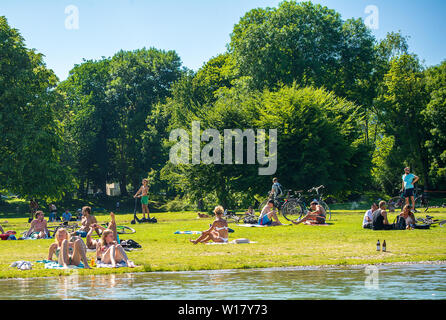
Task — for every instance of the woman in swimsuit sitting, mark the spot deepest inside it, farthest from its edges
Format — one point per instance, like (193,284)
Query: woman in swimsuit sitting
(68,253)
(109,252)
(38,227)
(218,232)
(92,243)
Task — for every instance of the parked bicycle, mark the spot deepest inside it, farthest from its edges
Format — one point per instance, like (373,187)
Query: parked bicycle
(296,208)
(398,202)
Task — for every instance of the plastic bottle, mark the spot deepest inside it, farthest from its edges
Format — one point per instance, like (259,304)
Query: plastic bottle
(384,246)
(92,262)
(378,246)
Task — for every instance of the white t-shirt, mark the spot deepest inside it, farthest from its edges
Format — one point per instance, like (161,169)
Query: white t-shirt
(367,214)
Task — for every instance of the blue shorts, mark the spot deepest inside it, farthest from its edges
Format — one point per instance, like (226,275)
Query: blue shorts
(265,221)
(82,234)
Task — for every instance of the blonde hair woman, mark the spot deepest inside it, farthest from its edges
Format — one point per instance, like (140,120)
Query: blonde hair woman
(68,253)
(218,232)
(109,252)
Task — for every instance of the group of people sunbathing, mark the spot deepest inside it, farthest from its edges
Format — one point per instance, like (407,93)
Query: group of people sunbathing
(70,249)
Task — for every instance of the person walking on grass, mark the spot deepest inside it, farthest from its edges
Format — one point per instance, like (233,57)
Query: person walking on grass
(143,193)
(268,216)
(33,207)
(407,186)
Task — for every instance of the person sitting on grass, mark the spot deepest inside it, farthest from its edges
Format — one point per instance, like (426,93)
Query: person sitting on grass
(109,252)
(91,243)
(87,220)
(38,227)
(218,232)
(250,211)
(408,215)
(68,253)
(66,216)
(268,216)
(379,218)
(315,216)
(367,222)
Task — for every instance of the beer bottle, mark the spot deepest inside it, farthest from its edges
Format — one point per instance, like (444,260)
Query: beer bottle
(378,246)
(384,246)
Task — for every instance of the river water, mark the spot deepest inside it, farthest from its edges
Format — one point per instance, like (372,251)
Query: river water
(413,281)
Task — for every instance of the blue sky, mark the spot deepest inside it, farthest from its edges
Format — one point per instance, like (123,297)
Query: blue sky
(196,29)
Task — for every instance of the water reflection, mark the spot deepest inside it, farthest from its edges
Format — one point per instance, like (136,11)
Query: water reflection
(395,282)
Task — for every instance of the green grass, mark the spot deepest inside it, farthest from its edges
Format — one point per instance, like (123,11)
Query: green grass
(342,243)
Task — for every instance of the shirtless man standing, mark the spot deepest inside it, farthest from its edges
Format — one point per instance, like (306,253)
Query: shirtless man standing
(143,194)
(38,226)
(315,216)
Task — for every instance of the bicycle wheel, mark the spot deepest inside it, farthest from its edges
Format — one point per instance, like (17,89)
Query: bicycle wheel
(421,202)
(326,208)
(292,210)
(263,204)
(124,230)
(395,203)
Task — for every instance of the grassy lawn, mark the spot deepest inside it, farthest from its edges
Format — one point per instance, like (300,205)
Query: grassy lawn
(343,242)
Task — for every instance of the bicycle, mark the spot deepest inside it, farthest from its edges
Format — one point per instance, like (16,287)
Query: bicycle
(296,208)
(398,202)
(121,229)
(288,206)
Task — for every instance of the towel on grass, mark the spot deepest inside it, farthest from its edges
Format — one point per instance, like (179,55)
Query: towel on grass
(21,265)
(187,232)
(236,241)
(49,264)
(100,264)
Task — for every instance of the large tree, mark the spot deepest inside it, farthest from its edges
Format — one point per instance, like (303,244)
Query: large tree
(31,144)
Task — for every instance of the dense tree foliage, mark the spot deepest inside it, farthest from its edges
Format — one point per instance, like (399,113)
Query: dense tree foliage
(31,136)
(350,112)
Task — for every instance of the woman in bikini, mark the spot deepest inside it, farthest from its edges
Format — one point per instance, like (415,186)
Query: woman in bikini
(68,253)
(143,194)
(218,232)
(38,227)
(109,252)
(92,243)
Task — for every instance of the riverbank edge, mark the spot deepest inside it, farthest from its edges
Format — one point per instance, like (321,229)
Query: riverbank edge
(86,272)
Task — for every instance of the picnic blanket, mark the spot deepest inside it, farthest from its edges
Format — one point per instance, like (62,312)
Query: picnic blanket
(49,264)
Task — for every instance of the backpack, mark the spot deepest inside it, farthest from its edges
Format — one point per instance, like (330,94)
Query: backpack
(250,220)
(130,244)
(400,223)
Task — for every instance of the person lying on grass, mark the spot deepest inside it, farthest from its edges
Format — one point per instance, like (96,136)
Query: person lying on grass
(38,227)
(68,253)
(268,214)
(315,216)
(218,232)
(109,252)
(87,220)
(91,243)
